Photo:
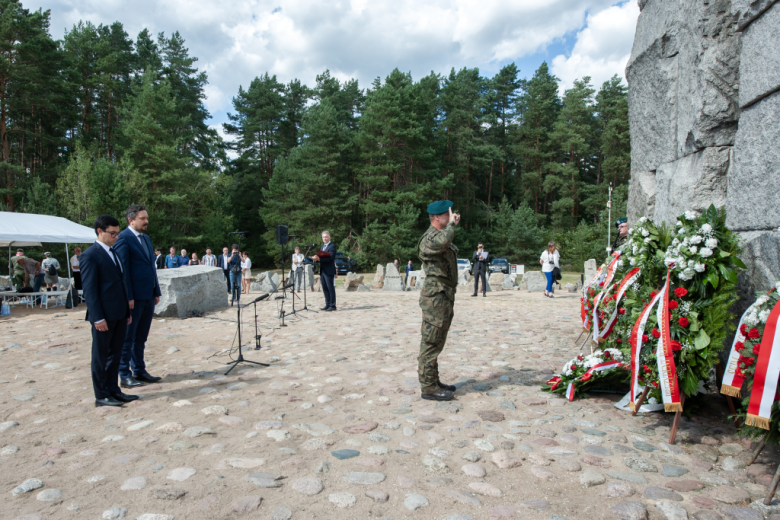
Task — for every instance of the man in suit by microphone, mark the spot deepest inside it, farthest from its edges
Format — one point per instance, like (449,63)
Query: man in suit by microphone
(327,271)
(104,284)
(136,252)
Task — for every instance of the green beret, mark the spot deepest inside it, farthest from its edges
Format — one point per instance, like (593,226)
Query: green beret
(620,221)
(439,207)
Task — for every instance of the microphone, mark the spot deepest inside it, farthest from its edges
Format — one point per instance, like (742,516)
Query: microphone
(310,245)
(260,298)
(239,233)
(289,285)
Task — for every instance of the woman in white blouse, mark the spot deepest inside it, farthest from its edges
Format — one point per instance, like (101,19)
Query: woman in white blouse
(246,272)
(549,261)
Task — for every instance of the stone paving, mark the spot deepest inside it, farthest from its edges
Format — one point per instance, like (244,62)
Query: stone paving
(335,427)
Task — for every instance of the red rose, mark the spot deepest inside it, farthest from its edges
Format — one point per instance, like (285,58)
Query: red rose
(644,338)
(673,305)
(621,310)
(652,295)
(574,367)
(756,348)
(619,340)
(680,292)
(683,322)
(656,333)
(743,329)
(738,346)
(753,334)
(676,346)
(647,369)
(748,361)
(601,284)
(655,384)
(580,358)
(607,355)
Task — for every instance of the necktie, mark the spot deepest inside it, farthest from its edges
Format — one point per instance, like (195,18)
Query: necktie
(116,260)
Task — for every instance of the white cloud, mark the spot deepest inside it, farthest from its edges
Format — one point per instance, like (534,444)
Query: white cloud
(237,40)
(602,48)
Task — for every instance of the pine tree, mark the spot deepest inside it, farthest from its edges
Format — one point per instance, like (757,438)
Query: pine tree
(501,116)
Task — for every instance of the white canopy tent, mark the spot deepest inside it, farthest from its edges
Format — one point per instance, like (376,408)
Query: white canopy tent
(26,229)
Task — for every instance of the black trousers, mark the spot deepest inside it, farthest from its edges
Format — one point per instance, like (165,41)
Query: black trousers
(106,352)
(77,280)
(480,275)
(328,289)
(226,272)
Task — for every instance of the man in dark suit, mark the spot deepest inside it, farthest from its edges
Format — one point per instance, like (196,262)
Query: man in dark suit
(104,284)
(327,271)
(159,258)
(136,253)
(223,261)
(480,269)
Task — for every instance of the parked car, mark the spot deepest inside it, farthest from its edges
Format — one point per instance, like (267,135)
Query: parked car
(342,267)
(464,264)
(351,264)
(499,265)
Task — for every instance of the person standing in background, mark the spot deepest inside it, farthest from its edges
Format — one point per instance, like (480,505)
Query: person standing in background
(224,262)
(50,266)
(194,260)
(172,259)
(136,253)
(327,271)
(409,269)
(184,259)
(74,268)
(480,269)
(209,259)
(549,260)
(297,268)
(108,310)
(20,279)
(235,274)
(159,259)
(246,272)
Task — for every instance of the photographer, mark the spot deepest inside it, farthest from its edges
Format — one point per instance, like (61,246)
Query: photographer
(549,261)
(234,265)
(480,269)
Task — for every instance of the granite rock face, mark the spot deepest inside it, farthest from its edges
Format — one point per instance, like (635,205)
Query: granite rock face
(590,269)
(496,281)
(352,282)
(190,290)
(641,196)
(266,282)
(691,183)
(759,69)
(393,280)
(535,281)
(379,277)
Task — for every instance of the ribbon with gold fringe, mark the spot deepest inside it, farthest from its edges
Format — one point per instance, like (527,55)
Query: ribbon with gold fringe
(667,371)
(635,341)
(611,268)
(583,310)
(767,371)
(732,376)
(625,283)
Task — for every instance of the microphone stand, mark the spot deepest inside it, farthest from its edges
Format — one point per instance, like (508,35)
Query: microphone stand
(240,358)
(305,307)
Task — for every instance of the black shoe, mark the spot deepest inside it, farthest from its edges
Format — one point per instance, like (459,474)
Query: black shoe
(333,308)
(108,401)
(146,377)
(474,294)
(484,295)
(439,394)
(326,308)
(130,382)
(451,388)
(125,398)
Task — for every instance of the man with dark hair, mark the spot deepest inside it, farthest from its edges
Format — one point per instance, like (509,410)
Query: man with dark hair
(136,253)
(108,309)
(439,258)
(159,259)
(235,274)
(223,261)
(209,259)
(480,269)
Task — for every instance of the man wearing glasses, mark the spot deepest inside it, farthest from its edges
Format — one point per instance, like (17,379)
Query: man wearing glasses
(622,234)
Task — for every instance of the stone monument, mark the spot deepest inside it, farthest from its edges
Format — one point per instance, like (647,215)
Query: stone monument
(190,290)
(379,277)
(352,282)
(704,113)
(534,281)
(392,280)
(591,267)
(265,282)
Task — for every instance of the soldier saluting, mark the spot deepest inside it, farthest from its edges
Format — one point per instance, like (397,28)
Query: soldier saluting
(437,298)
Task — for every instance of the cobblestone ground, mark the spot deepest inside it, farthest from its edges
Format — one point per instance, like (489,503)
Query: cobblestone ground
(335,427)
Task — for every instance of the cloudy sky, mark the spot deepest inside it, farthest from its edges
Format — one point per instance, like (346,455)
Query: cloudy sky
(236,40)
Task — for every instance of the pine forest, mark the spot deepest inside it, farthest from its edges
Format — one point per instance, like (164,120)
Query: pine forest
(99,120)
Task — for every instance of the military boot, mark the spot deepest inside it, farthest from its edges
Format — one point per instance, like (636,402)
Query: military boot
(440,394)
(451,388)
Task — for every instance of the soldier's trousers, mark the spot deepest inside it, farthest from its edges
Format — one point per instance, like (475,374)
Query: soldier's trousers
(437,318)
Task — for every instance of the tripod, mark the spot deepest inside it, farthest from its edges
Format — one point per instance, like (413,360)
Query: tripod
(240,358)
(305,307)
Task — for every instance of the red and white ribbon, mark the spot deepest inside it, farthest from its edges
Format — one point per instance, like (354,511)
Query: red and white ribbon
(627,281)
(583,310)
(606,365)
(732,376)
(767,371)
(667,371)
(635,340)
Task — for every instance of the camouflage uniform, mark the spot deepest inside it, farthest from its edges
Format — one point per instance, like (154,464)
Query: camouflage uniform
(437,299)
(619,242)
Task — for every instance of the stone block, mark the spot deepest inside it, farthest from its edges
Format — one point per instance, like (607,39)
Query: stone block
(379,277)
(746,11)
(392,280)
(352,282)
(464,278)
(641,196)
(363,288)
(759,68)
(496,281)
(266,282)
(535,281)
(590,269)
(415,280)
(691,183)
(684,76)
(754,178)
(761,254)
(510,282)
(191,290)
(308,275)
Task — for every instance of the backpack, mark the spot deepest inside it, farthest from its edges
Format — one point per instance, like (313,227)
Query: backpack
(52,271)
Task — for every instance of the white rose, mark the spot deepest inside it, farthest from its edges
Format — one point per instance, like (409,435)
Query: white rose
(764,315)
(695,239)
(645,233)
(706,229)
(682,231)
(712,243)
(682,264)
(676,242)
(648,240)
(691,215)
(669,261)
(705,252)
(761,301)
(699,268)
(679,223)
(643,220)
(632,261)
(693,249)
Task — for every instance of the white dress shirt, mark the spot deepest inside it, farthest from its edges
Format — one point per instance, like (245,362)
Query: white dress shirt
(297,260)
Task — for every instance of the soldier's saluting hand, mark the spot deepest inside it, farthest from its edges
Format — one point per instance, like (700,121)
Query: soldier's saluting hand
(437,298)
